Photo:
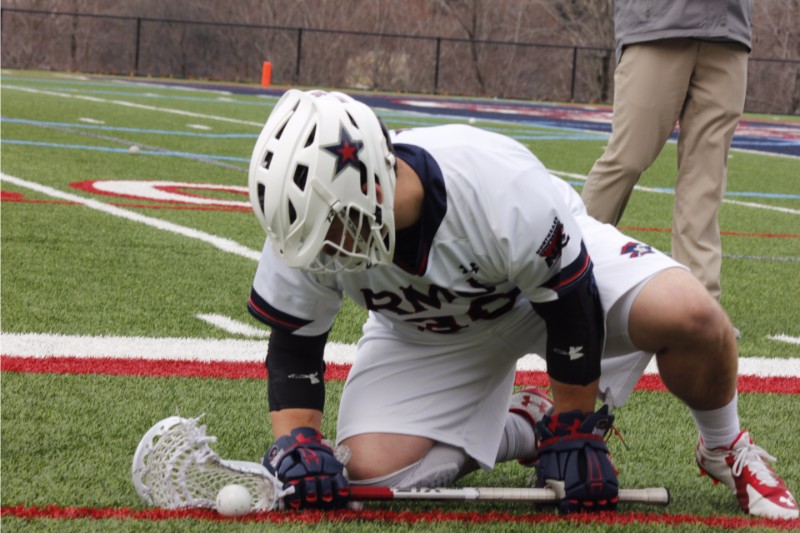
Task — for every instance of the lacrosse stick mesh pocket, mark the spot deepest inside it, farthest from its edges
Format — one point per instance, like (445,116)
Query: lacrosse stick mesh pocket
(174,467)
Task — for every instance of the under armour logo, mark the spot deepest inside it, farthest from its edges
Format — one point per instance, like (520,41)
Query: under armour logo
(526,401)
(788,500)
(313,378)
(472,268)
(310,457)
(575,352)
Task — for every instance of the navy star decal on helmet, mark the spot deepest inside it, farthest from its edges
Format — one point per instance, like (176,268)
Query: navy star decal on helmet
(345,151)
(322,213)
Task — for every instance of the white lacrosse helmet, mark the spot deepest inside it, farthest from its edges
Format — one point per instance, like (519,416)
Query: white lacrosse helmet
(318,160)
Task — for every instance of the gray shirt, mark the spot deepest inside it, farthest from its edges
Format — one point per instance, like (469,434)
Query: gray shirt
(638,21)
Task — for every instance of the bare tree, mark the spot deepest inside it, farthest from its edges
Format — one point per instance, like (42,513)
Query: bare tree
(588,24)
(775,36)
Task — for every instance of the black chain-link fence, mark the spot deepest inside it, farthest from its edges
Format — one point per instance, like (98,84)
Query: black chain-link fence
(144,46)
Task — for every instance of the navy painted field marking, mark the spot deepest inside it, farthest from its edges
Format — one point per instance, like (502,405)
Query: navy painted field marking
(769,137)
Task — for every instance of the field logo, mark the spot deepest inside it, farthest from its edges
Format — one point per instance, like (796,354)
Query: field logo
(170,192)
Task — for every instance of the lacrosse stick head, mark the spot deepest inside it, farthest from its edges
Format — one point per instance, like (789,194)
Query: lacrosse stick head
(175,467)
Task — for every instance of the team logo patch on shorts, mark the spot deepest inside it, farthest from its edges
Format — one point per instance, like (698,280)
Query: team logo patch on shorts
(636,249)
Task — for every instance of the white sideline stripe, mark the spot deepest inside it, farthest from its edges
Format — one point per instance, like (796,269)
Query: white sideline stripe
(235,350)
(230,325)
(659,191)
(149,348)
(784,338)
(125,103)
(763,206)
(226,245)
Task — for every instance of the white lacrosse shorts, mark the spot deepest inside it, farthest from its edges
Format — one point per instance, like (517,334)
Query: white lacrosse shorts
(456,388)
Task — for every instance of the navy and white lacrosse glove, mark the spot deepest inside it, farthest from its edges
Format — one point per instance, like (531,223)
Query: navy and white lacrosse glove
(573,452)
(301,460)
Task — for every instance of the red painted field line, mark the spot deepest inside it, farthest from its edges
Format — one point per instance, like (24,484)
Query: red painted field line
(336,372)
(396,517)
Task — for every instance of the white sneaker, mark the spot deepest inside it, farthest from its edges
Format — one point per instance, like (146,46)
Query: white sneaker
(532,404)
(744,468)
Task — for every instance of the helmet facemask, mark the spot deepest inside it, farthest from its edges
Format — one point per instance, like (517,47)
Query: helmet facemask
(351,243)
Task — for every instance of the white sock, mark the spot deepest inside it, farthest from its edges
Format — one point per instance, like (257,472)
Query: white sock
(519,441)
(719,427)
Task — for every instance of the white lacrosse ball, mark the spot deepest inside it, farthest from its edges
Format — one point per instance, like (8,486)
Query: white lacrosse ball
(233,500)
(133,150)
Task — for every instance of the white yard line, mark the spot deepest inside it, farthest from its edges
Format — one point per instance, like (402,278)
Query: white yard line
(230,325)
(784,338)
(149,348)
(211,350)
(226,245)
(125,103)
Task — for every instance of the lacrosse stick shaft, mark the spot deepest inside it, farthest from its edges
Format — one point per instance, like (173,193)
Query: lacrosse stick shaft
(654,495)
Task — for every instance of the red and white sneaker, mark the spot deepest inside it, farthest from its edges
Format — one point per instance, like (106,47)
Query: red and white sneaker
(744,468)
(532,404)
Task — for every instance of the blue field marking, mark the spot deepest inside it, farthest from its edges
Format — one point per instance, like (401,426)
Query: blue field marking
(746,194)
(167,153)
(534,122)
(785,143)
(129,130)
(191,155)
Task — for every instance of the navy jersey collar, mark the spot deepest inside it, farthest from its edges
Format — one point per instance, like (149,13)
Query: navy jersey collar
(413,244)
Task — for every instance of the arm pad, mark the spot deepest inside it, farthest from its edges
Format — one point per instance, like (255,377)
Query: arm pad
(295,371)
(575,333)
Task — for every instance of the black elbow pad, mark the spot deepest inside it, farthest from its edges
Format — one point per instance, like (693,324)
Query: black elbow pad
(575,334)
(295,371)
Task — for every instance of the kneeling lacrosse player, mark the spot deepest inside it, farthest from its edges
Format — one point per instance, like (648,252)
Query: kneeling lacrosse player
(468,255)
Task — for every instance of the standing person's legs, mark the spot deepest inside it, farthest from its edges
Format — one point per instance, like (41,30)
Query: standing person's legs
(650,86)
(713,107)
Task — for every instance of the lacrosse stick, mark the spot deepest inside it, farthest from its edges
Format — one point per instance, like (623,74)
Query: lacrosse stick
(174,467)
(653,496)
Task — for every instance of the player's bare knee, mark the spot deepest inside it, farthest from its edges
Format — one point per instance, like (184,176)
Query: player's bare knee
(674,311)
(440,467)
(379,454)
(362,467)
(703,324)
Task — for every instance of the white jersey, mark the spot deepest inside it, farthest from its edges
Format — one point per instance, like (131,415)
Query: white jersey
(452,314)
(497,232)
